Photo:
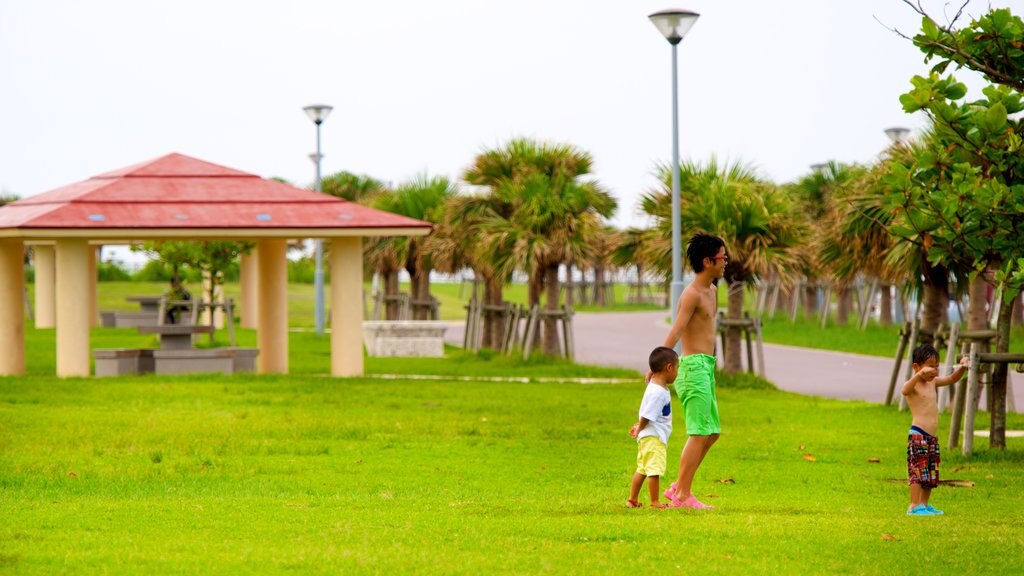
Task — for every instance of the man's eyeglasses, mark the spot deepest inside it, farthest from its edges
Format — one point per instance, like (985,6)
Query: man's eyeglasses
(726,258)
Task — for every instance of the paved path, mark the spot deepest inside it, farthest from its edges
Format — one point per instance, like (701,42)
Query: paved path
(626,338)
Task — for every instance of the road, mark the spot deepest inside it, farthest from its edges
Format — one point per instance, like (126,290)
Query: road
(626,338)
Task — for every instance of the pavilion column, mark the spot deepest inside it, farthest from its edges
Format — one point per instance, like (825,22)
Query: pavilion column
(73,323)
(12,307)
(247,276)
(94,317)
(45,269)
(346,265)
(272,315)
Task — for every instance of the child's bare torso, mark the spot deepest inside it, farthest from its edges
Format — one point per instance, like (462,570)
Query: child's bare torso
(924,408)
(698,336)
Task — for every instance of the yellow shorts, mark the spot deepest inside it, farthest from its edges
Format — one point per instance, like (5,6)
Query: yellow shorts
(650,456)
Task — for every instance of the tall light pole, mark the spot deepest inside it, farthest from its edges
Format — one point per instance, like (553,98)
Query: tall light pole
(673,25)
(318,113)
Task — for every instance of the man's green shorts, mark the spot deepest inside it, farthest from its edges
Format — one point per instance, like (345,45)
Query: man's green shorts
(695,386)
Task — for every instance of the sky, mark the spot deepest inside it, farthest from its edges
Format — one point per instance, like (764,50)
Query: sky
(422,87)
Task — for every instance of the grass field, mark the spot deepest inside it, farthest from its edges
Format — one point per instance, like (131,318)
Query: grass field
(313,475)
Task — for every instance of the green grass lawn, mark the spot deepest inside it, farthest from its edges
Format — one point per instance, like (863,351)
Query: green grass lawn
(314,475)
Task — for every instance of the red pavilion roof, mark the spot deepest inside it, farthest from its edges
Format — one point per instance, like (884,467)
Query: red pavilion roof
(177,192)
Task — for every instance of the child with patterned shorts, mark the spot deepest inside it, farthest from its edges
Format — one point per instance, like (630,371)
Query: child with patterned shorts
(922,441)
(654,427)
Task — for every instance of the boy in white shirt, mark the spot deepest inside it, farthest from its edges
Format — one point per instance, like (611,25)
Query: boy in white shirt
(654,426)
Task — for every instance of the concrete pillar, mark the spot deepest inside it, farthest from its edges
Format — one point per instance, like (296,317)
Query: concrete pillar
(12,307)
(45,283)
(346,262)
(272,316)
(73,284)
(218,296)
(247,277)
(94,317)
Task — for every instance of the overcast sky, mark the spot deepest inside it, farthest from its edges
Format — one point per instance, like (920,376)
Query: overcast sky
(91,86)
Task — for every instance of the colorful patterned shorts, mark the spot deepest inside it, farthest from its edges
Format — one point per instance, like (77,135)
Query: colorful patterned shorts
(922,458)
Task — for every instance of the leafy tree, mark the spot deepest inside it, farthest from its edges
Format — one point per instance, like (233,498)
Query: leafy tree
(962,199)
(210,257)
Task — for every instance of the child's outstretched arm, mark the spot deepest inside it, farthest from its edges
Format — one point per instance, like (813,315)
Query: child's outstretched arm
(955,375)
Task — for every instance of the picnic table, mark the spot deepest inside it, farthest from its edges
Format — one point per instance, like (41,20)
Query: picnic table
(146,303)
(175,336)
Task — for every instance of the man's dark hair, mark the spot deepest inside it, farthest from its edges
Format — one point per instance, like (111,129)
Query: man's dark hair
(923,352)
(702,246)
(661,357)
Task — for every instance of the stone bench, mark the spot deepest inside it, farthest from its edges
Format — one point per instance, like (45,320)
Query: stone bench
(228,360)
(415,338)
(135,361)
(123,361)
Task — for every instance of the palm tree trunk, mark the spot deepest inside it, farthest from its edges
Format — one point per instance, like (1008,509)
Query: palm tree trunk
(390,278)
(640,283)
(494,328)
(933,309)
(811,298)
(551,347)
(977,296)
(936,297)
(600,298)
(734,342)
(569,284)
(845,305)
(885,306)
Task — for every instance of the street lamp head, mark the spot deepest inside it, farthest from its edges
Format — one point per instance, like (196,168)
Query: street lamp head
(821,167)
(674,24)
(318,112)
(315,157)
(897,134)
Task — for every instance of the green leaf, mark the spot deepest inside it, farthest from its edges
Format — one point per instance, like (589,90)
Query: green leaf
(995,118)
(910,103)
(956,91)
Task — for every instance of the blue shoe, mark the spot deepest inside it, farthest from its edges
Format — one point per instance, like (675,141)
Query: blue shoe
(934,511)
(920,510)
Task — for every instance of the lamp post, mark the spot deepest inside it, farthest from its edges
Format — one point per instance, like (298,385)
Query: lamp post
(673,25)
(897,134)
(318,113)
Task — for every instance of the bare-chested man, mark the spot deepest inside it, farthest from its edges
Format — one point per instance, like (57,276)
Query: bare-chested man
(695,385)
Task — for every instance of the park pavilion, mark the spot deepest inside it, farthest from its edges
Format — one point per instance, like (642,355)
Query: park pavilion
(177,197)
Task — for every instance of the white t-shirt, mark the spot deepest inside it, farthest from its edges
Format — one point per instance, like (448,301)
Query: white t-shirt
(656,407)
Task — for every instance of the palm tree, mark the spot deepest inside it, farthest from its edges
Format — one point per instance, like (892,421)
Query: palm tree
(854,239)
(554,212)
(756,220)
(603,247)
(814,194)
(358,188)
(423,198)
(645,249)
